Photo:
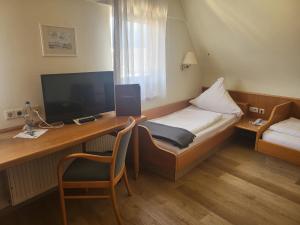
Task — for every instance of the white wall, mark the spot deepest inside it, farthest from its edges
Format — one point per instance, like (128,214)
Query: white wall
(253,44)
(21,61)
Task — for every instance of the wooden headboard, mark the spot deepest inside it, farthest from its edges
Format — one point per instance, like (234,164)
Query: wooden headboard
(267,102)
(243,99)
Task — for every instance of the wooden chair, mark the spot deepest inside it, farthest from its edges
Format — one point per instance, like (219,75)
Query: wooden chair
(96,171)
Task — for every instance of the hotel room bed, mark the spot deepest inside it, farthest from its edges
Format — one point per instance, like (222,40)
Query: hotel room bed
(172,162)
(213,129)
(280,136)
(209,118)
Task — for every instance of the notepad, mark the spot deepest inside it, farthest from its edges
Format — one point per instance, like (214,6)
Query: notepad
(35,133)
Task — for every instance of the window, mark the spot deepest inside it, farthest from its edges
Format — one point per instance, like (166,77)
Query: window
(140,54)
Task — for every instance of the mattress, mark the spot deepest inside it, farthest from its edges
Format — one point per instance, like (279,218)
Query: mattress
(191,118)
(282,139)
(225,121)
(290,126)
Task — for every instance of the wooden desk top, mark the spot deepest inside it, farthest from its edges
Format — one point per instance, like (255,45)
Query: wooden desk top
(15,151)
(245,124)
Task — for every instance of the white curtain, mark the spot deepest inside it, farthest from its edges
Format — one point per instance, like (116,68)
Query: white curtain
(139,44)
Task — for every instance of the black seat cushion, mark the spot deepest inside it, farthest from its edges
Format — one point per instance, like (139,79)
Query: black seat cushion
(88,170)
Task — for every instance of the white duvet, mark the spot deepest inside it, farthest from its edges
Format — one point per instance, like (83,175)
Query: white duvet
(290,126)
(191,118)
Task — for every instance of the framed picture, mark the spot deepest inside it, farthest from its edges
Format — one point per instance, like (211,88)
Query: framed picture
(58,41)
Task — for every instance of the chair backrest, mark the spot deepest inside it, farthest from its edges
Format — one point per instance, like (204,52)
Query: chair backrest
(121,146)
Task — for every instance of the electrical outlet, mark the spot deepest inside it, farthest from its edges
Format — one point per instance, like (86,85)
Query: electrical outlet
(9,114)
(19,113)
(12,114)
(261,111)
(253,109)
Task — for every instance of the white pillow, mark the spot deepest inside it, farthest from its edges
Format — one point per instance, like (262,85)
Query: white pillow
(217,99)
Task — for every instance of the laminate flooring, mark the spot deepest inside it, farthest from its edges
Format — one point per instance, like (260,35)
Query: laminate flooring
(235,186)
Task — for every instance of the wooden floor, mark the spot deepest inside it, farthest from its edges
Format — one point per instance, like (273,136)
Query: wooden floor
(236,186)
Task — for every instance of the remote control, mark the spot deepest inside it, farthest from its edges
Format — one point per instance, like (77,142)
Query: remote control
(87,119)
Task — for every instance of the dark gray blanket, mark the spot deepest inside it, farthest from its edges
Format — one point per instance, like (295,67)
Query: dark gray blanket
(173,135)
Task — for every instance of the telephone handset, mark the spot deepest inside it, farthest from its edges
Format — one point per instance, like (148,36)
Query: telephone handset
(258,122)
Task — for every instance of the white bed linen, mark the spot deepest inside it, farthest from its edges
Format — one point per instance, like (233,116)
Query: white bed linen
(290,126)
(217,99)
(191,118)
(282,139)
(226,121)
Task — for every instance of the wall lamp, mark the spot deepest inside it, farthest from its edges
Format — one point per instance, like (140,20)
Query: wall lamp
(189,59)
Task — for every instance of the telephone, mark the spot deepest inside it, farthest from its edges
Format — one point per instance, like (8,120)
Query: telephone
(258,122)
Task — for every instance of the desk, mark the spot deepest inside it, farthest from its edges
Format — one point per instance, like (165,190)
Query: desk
(16,151)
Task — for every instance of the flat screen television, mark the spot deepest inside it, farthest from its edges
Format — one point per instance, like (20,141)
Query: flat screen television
(77,95)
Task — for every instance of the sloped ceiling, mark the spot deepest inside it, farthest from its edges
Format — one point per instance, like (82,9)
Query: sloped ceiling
(253,44)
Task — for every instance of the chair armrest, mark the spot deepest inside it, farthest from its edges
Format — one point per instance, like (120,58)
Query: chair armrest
(102,159)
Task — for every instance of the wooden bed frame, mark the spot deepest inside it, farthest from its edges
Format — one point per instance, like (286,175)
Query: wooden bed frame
(167,163)
(280,112)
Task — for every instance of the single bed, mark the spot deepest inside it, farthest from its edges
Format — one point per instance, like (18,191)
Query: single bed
(205,121)
(282,139)
(172,162)
(208,131)
(278,137)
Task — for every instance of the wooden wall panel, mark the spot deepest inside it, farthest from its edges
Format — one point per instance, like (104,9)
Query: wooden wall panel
(296,109)
(267,102)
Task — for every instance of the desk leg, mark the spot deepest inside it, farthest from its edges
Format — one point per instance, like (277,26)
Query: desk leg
(136,153)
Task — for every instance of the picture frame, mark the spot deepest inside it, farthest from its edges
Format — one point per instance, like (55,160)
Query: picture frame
(58,41)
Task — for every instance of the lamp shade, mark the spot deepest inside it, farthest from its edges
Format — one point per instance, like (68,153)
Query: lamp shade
(190,59)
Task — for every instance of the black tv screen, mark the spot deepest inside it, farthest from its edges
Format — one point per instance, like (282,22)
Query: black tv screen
(77,95)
